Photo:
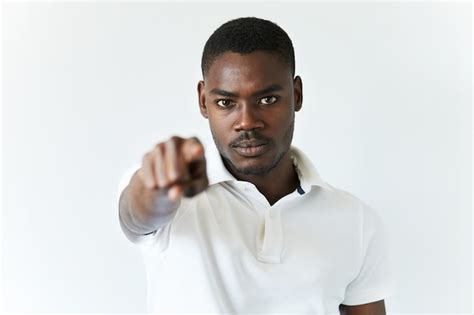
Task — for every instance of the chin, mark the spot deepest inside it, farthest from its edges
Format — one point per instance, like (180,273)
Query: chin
(257,166)
(255,170)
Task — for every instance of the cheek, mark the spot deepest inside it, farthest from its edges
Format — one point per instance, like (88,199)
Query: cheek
(218,127)
(286,129)
(284,119)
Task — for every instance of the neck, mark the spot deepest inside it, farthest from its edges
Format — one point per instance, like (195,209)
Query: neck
(277,183)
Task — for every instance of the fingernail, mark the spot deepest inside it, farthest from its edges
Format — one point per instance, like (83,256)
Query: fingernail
(173,194)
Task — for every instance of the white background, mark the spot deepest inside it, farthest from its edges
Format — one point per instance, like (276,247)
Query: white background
(89,88)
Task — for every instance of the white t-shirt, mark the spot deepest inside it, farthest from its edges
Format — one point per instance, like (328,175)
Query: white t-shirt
(228,251)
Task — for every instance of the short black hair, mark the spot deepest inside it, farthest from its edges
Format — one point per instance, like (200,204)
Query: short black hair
(246,35)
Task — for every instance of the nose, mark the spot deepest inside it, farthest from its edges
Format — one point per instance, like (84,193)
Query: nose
(248,118)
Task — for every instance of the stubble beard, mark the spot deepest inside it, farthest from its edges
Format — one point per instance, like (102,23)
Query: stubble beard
(259,170)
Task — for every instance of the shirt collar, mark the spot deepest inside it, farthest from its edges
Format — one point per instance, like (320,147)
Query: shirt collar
(306,171)
(216,171)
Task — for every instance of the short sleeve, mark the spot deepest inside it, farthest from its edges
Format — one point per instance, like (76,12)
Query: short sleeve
(374,280)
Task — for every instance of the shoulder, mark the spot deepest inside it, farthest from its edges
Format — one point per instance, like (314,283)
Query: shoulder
(372,227)
(368,217)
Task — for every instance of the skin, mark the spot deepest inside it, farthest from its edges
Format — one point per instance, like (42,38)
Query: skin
(251,97)
(254,96)
(235,97)
(171,169)
(374,308)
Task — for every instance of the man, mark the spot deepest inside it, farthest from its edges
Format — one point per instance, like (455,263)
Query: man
(249,226)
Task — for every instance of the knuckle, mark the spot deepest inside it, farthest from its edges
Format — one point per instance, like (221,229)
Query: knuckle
(157,152)
(159,147)
(146,158)
(174,139)
(195,139)
(198,143)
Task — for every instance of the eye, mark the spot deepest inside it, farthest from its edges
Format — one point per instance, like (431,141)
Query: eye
(268,100)
(224,103)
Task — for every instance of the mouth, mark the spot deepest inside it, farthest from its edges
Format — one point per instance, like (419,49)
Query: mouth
(251,148)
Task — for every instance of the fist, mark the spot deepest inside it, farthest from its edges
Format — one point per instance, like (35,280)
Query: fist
(177,165)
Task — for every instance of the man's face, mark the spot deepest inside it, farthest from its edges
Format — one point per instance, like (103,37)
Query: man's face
(250,101)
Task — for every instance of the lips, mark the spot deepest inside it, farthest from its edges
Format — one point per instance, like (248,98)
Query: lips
(250,143)
(251,148)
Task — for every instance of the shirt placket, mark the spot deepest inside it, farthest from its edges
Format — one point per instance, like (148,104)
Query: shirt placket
(270,237)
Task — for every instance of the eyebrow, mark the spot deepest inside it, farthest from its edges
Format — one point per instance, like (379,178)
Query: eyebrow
(268,89)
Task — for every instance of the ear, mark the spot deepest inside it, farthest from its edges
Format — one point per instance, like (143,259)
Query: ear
(202,99)
(298,92)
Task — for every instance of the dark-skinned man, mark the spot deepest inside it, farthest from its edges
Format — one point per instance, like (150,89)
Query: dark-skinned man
(247,225)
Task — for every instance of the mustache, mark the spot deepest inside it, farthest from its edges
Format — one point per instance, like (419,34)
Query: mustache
(247,136)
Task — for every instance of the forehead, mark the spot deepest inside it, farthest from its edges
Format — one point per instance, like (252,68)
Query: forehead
(234,71)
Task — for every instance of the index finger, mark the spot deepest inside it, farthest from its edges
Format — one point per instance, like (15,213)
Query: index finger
(192,150)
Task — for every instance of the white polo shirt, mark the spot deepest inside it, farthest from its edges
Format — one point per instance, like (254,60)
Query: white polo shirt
(228,251)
